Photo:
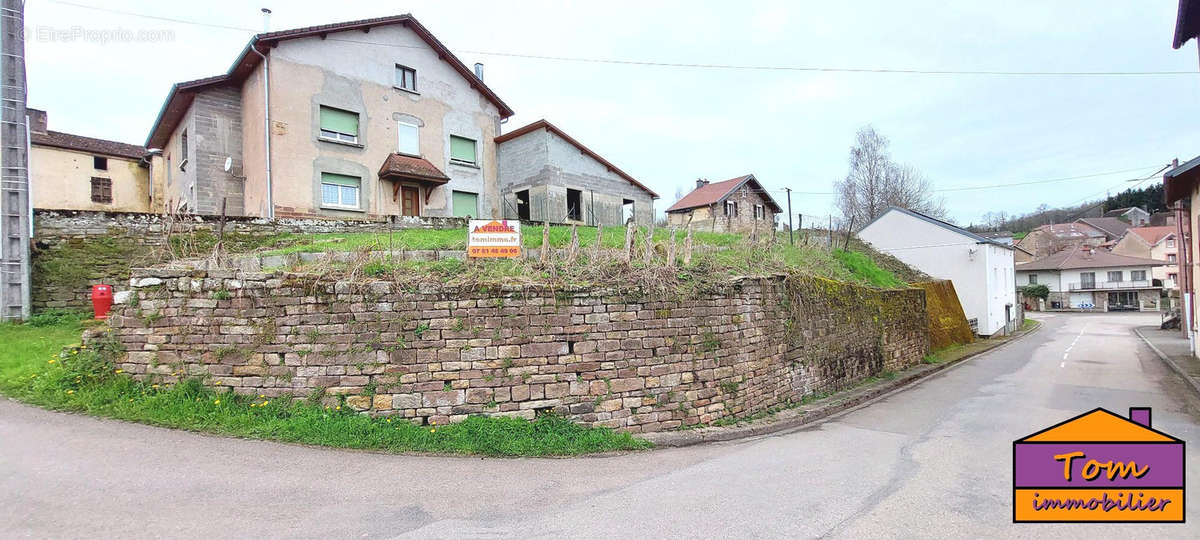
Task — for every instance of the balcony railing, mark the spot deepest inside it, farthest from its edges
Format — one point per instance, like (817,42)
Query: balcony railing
(1111,285)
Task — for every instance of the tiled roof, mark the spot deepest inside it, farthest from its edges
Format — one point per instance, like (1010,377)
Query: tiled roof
(1071,230)
(1111,226)
(400,166)
(716,192)
(543,124)
(1080,257)
(89,145)
(1153,235)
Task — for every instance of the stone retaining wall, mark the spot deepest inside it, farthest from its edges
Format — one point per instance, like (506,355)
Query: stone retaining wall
(431,353)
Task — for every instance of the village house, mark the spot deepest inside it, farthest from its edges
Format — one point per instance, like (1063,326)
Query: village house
(1046,240)
(73,172)
(736,205)
(980,268)
(547,175)
(1113,228)
(1158,243)
(1134,216)
(367,119)
(1089,279)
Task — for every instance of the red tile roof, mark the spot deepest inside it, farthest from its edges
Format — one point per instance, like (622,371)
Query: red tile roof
(1153,235)
(404,167)
(543,124)
(716,192)
(58,139)
(1080,257)
(179,98)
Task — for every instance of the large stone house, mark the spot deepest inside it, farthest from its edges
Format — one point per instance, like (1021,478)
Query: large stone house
(1158,243)
(73,172)
(547,175)
(736,205)
(1085,278)
(366,119)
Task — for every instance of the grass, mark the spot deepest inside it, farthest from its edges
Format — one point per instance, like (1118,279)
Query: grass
(863,268)
(34,368)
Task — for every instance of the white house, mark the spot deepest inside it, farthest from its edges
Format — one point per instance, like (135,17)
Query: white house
(1090,279)
(980,268)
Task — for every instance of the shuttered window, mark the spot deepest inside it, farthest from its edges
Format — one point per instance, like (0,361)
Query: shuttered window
(339,190)
(409,139)
(101,190)
(466,204)
(462,149)
(338,124)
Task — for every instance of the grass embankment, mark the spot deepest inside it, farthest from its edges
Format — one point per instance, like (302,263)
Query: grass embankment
(34,369)
(955,352)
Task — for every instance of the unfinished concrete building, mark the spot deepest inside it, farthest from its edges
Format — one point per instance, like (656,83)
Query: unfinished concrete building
(546,175)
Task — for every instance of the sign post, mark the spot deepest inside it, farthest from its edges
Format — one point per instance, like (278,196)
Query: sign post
(493,238)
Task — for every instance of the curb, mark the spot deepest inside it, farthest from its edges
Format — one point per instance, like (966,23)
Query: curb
(1170,363)
(794,418)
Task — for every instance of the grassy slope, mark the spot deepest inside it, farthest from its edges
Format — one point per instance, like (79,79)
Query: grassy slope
(33,370)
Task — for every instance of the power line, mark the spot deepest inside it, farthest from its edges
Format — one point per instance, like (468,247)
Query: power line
(686,65)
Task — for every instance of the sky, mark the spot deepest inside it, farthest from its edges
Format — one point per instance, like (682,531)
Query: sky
(105,74)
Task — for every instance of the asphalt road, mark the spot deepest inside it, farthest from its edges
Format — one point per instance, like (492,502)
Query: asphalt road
(930,461)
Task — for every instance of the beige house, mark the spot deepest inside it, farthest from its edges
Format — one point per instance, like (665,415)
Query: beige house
(73,172)
(368,119)
(736,205)
(1157,243)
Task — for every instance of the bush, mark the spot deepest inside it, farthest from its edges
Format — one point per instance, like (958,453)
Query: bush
(1036,291)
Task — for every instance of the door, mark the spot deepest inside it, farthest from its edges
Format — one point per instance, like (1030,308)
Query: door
(410,201)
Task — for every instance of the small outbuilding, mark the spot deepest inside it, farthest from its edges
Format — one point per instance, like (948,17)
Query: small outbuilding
(735,205)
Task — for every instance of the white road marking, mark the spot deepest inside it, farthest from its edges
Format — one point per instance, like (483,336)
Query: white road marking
(1067,352)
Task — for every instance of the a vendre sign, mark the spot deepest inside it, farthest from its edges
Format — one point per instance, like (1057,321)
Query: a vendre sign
(491,238)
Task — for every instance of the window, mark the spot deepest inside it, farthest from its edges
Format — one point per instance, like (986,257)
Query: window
(100,163)
(759,212)
(1173,277)
(627,211)
(462,149)
(731,209)
(339,190)
(1171,257)
(183,151)
(1116,275)
(1033,279)
(406,78)
(339,125)
(1170,242)
(101,190)
(466,204)
(1087,280)
(575,204)
(408,136)
(1137,275)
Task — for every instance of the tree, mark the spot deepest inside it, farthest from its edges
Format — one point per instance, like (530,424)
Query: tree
(875,183)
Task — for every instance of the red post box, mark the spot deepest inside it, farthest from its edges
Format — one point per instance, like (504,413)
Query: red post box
(102,299)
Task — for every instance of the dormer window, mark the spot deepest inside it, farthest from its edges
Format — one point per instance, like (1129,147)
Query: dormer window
(406,78)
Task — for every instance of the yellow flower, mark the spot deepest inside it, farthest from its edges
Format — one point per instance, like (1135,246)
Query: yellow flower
(70,391)
(389,420)
(266,402)
(338,408)
(434,430)
(154,386)
(131,400)
(50,361)
(120,371)
(216,402)
(262,395)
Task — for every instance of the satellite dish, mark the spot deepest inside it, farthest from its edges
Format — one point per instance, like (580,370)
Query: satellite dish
(228,164)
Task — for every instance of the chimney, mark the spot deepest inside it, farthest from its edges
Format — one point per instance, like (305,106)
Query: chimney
(478,71)
(1140,416)
(266,19)
(700,182)
(37,120)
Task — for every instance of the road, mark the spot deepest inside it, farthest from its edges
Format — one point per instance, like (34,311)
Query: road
(933,460)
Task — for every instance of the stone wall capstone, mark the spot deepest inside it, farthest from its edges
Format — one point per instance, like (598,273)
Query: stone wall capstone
(601,357)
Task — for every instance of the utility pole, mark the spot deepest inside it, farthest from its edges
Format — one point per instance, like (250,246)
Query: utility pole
(789,197)
(16,212)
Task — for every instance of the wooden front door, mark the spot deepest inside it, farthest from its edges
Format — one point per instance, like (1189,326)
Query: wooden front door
(410,201)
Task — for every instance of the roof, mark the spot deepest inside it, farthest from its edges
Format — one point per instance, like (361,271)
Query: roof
(67,141)
(1153,235)
(1118,212)
(1110,226)
(945,225)
(1180,180)
(1070,230)
(1187,23)
(715,192)
(1099,425)
(398,166)
(180,96)
(543,124)
(1076,258)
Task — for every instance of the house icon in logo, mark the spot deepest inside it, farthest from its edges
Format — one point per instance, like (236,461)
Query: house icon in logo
(1099,466)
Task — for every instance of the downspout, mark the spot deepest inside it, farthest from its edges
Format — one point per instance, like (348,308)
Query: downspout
(267,127)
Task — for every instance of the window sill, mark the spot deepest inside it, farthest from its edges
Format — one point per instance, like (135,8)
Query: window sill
(342,208)
(465,164)
(405,90)
(341,142)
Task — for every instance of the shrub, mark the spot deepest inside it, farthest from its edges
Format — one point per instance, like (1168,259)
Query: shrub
(1036,291)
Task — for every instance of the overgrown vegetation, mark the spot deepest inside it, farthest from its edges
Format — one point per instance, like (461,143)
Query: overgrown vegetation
(1036,290)
(35,368)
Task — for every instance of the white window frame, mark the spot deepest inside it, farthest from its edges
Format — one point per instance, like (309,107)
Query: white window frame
(1170,242)
(1134,275)
(416,130)
(340,204)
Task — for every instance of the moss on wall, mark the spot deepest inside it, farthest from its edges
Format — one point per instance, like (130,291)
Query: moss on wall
(947,322)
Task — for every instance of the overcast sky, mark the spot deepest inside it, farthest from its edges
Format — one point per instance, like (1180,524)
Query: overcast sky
(668,126)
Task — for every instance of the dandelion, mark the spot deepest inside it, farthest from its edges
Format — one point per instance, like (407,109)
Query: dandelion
(389,420)
(262,395)
(119,371)
(266,402)
(216,402)
(154,386)
(339,407)
(433,430)
(50,361)
(131,400)
(70,392)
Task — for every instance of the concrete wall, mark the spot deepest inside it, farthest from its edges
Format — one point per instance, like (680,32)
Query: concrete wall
(715,219)
(217,135)
(548,165)
(62,180)
(983,274)
(605,357)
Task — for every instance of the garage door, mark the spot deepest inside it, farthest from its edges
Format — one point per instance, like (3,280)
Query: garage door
(465,204)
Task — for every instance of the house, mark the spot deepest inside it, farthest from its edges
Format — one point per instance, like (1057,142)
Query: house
(1112,227)
(1049,239)
(1158,243)
(368,119)
(1132,215)
(73,172)
(980,268)
(735,205)
(547,175)
(1089,279)
(1181,186)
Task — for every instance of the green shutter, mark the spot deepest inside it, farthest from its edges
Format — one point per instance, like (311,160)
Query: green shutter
(465,204)
(339,121)
(462,149)
(339,179)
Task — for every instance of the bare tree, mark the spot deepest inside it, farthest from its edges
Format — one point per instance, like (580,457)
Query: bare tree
(875,183)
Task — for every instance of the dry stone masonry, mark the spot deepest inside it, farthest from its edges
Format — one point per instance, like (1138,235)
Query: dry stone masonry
(431,353)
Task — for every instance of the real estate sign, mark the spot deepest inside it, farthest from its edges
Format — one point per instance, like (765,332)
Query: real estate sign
(491,238)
